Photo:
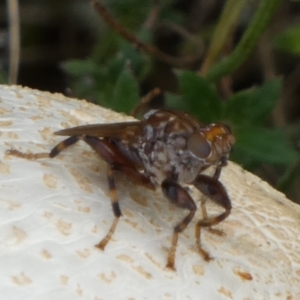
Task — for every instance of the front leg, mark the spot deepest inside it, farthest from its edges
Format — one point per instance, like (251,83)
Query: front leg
(180,197)
(214,189)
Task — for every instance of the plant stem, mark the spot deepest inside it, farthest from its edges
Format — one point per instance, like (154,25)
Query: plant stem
(223,30)
(244,48)
(179,62)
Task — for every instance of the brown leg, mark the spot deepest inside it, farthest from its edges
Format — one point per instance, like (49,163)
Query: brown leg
(212,188)
(203,207)
(64,144)
(203,252)
(116,162)
(180,197)
(219,168)
(29,156)
(116,209)
(55,151)
(210,229)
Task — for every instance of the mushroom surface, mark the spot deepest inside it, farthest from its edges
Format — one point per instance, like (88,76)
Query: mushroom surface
(53,212)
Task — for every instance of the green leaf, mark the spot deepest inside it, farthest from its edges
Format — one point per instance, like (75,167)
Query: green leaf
(126,92)
(113,68)
(263,146)
(264,100)
(138,62)
(106,48)
(78,67)
(237,108)
(253,106)
(289,41)
(175,101)
(198,95)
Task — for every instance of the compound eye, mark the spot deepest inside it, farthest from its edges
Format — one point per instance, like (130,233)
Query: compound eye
(198,145)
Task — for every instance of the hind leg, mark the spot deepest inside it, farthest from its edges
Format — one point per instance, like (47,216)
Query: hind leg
(116,209)
(54,152)
(116,162)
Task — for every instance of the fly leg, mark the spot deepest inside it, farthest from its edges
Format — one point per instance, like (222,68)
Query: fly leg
(55,151)
(213,189)
(113,195)
(223,163)
(180,197)
(116,162)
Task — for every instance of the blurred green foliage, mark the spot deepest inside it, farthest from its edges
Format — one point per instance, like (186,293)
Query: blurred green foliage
(112,76)
(289,41)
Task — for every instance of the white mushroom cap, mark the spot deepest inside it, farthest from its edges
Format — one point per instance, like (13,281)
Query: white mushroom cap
(53,212)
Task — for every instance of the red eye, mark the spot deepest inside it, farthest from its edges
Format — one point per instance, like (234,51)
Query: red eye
(198,145)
